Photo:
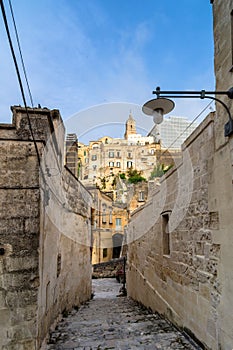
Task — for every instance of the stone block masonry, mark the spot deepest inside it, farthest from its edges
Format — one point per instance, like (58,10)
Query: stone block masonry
(108,269)
(176,242)
(44,230)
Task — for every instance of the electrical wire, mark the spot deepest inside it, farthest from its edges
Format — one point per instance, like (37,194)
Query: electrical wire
(193,121)
(61,203)
(20,51)
(19,77)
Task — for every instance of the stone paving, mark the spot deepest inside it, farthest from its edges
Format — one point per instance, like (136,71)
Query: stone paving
(111,322)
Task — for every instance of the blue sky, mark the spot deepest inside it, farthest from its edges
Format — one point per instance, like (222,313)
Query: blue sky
(82,54)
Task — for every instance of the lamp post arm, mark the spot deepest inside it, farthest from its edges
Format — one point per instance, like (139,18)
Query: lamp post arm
(201,97)
(228,130)
(202,93)
(222,103)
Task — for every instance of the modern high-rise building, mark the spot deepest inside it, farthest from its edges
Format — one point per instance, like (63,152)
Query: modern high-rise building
(173,131)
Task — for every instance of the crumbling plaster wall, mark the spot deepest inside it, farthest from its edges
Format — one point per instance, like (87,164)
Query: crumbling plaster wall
(44,230)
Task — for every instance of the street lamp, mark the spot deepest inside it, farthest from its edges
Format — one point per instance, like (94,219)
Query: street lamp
(162,105)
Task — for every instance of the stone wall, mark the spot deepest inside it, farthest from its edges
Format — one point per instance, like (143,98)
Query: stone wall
(44,230)
(107,269)
(137,195)
(223,170)
(174,249)
(181,242)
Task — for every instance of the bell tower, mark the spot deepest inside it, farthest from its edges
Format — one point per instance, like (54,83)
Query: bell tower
(130,126)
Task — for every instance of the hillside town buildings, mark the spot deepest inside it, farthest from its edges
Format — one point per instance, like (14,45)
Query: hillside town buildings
(102,159)
(107,157)
(108,220)
(102,167)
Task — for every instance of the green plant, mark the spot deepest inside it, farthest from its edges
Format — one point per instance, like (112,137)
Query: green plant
(134,176)
(159,170)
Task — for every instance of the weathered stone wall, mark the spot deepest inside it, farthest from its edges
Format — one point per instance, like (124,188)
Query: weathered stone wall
(192,284)
(223,170)
(44,230)
(134,198)
(183,283)
(107,269)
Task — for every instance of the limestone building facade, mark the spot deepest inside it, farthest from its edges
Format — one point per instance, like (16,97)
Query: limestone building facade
(180,243)
(45,230)
(108,222)
(102,159)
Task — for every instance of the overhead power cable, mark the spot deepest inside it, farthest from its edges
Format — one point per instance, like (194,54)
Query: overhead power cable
(20,51)
(61,203)
(18,76)
(193,121)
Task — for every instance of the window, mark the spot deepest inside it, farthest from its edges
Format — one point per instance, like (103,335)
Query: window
(110,217)
(152,151)
(118,164)
(129,164)
(85,153)
(118,223)
(111,154)
(105,252)
(111,164)
(104,216)
(118,154)
(94,167)
(94,157)
(129,155)
(141,196)
(92,216)
(165,233)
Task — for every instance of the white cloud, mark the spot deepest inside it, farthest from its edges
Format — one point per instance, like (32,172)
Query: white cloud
(74,64)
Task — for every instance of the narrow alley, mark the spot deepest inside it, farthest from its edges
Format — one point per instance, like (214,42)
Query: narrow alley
(112,322)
